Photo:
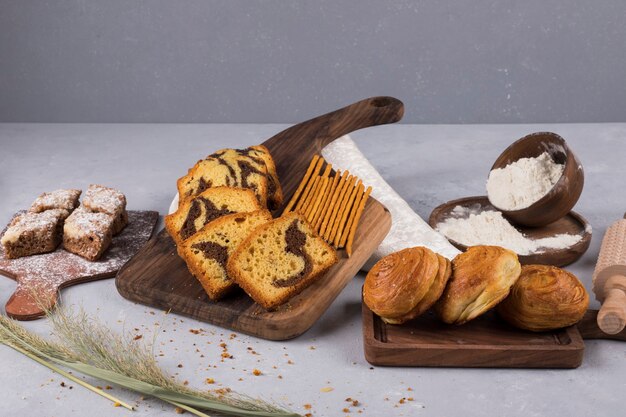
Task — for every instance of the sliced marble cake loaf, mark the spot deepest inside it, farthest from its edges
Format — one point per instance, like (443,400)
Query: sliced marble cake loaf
(280,259)
(194,213)
(259,155)
(207,252)
(275,190)
(246,168)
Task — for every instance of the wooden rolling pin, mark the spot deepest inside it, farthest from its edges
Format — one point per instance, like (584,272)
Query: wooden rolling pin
(609,279)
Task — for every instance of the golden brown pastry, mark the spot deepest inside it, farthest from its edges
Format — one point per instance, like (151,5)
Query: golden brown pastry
(545,298)
(404,284)
(481,278)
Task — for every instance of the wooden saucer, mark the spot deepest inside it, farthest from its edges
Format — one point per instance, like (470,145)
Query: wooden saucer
(571,223)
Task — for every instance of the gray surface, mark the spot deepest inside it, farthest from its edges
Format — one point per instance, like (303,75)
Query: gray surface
(275,61)
(426,164)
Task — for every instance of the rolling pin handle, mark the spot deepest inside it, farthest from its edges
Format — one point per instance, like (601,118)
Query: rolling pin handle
(612,315)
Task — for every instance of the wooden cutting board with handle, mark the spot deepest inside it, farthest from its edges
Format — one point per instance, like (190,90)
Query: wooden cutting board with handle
(41,277)
(486,342)
(158,277)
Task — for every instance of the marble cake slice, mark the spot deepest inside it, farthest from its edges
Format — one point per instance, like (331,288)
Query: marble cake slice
(194,213)
(279,259)
(251,168)
(206,253)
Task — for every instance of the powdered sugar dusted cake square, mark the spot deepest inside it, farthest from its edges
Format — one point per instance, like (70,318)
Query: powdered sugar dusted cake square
(32,233)
(87,233)
(101,199)
(58,199)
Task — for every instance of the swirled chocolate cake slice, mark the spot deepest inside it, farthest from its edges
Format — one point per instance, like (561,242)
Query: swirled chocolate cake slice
(207,252)
(280,259)
(193,214)
(251,168)
(275,191)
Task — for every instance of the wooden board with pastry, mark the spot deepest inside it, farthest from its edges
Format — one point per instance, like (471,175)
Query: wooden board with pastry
(493,312)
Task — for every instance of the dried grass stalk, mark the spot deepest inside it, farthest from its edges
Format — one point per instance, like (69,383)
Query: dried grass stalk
(87,346)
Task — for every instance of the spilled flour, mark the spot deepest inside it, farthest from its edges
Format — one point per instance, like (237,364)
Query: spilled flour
(523,182)
(472,227)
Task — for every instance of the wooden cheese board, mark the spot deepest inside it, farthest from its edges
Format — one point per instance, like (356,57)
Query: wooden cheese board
(41,277)
(486,342)
(158,277)
(571,223)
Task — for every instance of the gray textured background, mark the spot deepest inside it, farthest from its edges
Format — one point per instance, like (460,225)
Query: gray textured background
(477,61)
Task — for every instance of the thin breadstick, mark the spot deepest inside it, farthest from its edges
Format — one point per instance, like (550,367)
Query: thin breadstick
(346,229)
(329,167)
(305,179)
(333,200)
(345,205)
(326,202)
(333,203)
(309,185)
(356,221)
(339,206)
(302,206)
(351,204)
(306,210)
(320,195)
(315,215)
(314,198)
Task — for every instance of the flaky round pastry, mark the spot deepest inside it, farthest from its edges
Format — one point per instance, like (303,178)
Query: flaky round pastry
(431,296)
(399,281)
(545,298)
(481,278)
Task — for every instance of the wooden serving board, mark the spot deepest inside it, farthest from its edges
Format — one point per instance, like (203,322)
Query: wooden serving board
(41,277)
(158,277)
(571,223)
(486,342)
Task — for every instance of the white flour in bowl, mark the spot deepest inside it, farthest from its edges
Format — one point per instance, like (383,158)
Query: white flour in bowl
(523,182)
(474,227)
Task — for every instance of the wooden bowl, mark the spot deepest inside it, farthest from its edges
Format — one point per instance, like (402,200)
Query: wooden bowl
(564,194)
(571,223)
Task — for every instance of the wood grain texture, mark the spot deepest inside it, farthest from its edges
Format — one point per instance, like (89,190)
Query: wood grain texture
(486,342)
(589,329)
(564,194)
(159,278)
(41,277)
(572,223)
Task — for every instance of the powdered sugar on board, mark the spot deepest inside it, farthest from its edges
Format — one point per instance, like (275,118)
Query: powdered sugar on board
(47,273)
